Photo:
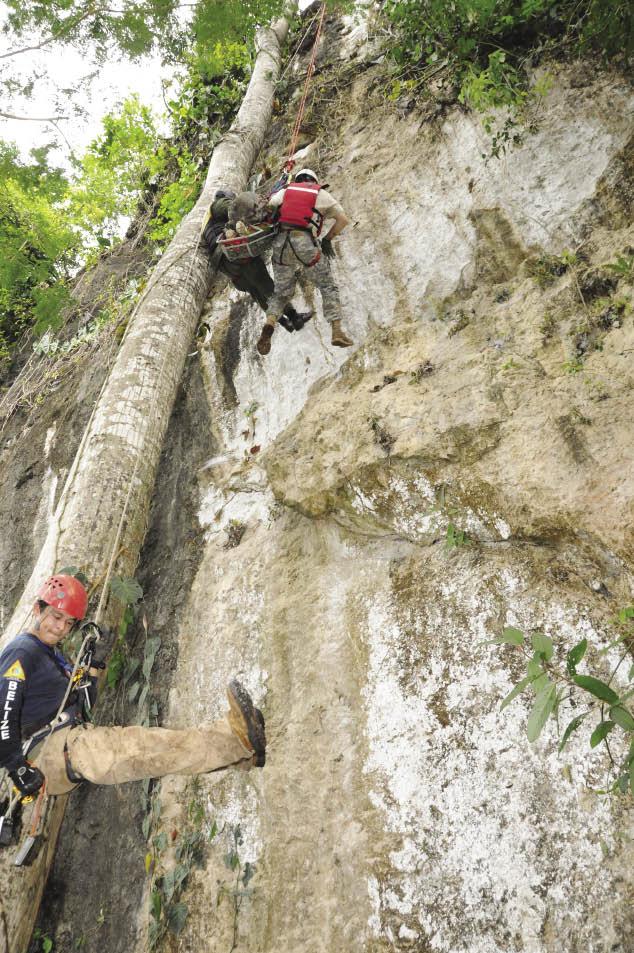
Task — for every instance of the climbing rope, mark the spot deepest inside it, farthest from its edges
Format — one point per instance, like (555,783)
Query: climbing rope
(293,55)
(114,552)
(302,105)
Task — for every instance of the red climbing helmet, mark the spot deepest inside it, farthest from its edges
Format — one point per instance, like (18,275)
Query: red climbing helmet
(65,593)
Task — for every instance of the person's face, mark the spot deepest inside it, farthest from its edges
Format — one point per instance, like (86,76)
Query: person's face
(52,625)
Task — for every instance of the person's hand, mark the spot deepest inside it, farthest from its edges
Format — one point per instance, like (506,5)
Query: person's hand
(327,247)
(27,778)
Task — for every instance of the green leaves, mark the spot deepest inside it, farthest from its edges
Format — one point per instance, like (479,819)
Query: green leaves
(151,648)
(519,688)
(156,904)
(542,645)
(462,34)
(77,573)
(126,590)
(596,687)
(38,245)
(542,709)
(553,685)
(600,732)
(510,636)
(622,717)
(575,655)
(570,728)
(177,916)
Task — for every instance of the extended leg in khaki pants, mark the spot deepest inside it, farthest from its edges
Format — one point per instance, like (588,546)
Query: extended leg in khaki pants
(115,755)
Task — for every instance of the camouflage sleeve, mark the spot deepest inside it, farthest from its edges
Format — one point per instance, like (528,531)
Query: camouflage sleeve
(15,667)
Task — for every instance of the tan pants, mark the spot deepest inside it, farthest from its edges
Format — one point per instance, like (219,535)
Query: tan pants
(115,755)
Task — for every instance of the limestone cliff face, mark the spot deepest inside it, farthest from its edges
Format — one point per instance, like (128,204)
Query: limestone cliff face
(490,389)
(400,809)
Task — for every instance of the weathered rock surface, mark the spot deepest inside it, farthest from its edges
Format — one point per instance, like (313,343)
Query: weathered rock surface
(400,809)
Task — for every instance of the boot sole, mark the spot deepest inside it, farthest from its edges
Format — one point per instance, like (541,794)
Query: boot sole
(242,705)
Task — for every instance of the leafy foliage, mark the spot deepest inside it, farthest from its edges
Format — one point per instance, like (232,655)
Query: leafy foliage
(115,168)
(38,246)
(168,912)
(209,96)
(225,20)
(132,28)
(50,223)
(554,681)
(486,45)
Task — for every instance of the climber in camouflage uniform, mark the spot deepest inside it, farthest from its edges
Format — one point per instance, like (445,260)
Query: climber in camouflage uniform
(302,207)
(34,679)
(250,275)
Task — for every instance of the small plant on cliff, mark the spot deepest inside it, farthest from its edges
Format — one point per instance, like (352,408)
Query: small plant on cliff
(130,593)
(547,268)
(168,912)
(42,941)
(555,681)
(244,871)
(456,538)
(235,530)
(623,267)
(574,366)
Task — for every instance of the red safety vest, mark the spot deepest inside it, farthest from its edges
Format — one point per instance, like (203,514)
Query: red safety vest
(298,206)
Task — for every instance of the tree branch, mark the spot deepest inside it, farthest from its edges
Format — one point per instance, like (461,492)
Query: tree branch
(53,119)
(65,28)
(71,23)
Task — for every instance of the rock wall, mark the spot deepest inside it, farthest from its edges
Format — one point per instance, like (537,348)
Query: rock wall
(399,808)
(489,390)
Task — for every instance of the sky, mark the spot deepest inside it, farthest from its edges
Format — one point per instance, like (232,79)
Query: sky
(113,84)
(64,67)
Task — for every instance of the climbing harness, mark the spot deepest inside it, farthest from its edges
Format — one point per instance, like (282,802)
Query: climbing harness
(288,241)
(62,719)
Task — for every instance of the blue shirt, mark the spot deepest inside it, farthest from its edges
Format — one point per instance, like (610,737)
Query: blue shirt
(33,682)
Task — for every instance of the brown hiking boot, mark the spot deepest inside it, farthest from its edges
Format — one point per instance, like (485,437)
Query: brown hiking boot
(264,341)
(339,336)
(247,722)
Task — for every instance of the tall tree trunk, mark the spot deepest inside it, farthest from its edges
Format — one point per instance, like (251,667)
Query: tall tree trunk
(104,506)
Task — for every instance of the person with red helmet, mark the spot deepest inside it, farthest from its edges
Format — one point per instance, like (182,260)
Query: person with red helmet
(301,208)
(34,683)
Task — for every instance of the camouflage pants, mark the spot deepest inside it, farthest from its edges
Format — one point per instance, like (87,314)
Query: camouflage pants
(292,252)
(115,755)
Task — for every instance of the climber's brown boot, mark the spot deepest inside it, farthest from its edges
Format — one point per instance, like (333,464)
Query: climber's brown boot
(247,722)
(264,341)
(339,337)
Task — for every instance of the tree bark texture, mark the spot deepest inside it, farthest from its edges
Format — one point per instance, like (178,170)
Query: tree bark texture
(104,506)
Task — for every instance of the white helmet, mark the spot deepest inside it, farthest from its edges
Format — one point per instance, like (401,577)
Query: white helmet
(305,174)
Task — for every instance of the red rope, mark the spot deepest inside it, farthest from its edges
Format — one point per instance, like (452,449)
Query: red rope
(302,106)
